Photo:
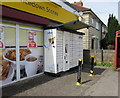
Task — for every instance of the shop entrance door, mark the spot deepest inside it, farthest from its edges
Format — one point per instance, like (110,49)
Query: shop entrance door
(66,52)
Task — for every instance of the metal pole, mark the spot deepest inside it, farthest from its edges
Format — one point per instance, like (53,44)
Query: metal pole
(79,72)
(92,66)
(102,55)
(17,54)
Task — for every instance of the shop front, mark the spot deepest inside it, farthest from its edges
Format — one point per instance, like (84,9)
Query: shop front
(22,38)
(22,51)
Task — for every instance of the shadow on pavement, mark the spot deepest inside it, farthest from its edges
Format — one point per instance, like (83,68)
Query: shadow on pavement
(97,71)
(24,85)
(86,81)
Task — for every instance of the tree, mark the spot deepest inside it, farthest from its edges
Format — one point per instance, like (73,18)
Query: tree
(113,26)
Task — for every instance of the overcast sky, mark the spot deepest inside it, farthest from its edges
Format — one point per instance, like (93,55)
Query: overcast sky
(102,8)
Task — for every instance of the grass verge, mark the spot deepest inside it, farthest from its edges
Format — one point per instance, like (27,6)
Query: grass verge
(103,64)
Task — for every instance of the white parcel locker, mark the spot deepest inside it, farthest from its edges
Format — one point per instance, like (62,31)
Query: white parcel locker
(62,50)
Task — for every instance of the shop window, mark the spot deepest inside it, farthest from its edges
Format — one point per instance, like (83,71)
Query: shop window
(28,55)
(10,36)
(23,37)
(39,38)
(97,25)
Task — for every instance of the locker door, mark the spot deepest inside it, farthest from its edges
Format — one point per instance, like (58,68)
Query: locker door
(75,50)
(59,51)
(71,51)
(66,51)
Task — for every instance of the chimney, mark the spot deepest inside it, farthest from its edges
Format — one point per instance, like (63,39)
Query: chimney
(78,3)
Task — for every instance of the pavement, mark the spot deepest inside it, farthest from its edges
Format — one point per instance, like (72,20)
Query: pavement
(104,83)
(107,85)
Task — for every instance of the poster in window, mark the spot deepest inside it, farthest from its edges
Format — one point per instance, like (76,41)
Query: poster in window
(32,39)
(2,38)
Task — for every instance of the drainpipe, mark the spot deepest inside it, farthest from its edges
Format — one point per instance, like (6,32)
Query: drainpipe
(101,44)
(101,36)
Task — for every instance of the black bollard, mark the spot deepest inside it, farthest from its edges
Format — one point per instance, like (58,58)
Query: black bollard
(79,72)
(92,66)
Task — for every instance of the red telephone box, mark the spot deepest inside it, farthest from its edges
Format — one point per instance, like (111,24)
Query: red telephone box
(117,50)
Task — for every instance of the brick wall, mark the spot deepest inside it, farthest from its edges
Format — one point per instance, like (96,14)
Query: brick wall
(107,56)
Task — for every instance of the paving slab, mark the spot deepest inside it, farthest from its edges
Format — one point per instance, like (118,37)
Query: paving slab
(65,85)
(106,86)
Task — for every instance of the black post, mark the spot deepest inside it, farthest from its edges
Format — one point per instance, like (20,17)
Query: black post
(92,66)
(79,72)
(102,55)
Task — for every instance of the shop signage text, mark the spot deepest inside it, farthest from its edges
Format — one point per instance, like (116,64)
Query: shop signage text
(44,8)
(48,10)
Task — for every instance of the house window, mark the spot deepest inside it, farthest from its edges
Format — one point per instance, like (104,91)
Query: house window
(103,29)
(97,25)
(92,21)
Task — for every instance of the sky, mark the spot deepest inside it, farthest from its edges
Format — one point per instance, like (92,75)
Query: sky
(102,8)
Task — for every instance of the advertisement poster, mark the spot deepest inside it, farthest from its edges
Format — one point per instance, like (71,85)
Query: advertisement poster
(32,39)
(2,38)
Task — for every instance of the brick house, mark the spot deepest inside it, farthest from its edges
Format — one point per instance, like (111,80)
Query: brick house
(94,34)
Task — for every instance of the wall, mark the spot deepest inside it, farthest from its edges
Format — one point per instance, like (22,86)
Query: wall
(97,36)
(92,31)
(86,43)
(88,37)
(107,57)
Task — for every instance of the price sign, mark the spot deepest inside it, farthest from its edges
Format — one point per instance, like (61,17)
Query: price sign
(32,39)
